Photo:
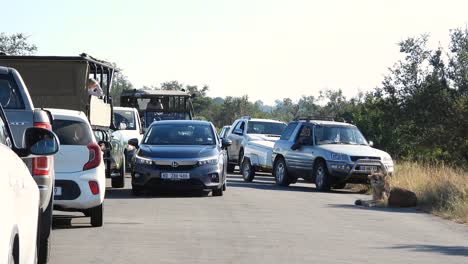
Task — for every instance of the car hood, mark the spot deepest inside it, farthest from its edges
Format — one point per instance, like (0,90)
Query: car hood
(354,150)
(177,152)
(262,143)
(252,137)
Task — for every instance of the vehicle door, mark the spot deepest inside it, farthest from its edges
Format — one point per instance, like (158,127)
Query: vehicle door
(301,154)
(236,136)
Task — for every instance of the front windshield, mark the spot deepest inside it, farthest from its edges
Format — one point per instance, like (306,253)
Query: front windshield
(339,135)
(180,134)
(268,128)
(124,119)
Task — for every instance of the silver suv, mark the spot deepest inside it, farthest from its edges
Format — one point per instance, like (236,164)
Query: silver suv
(329,154)
(247,129)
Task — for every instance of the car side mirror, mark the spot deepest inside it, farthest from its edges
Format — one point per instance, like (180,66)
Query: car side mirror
(371,143)
(133,142)
(238,131)
(295,146)
(39,142)
(226,142)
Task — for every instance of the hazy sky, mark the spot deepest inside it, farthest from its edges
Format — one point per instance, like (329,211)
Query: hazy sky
(263,48)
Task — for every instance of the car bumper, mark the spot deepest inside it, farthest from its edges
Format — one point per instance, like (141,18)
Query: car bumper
(76,191)
(207,177)
(352,172)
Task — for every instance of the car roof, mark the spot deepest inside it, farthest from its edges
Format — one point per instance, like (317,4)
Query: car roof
(175,122)
(124,108)
(66,114)
(261,120)
(325,123)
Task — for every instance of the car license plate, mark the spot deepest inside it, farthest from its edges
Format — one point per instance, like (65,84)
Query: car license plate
(175,176)
(368,168)
(57,191)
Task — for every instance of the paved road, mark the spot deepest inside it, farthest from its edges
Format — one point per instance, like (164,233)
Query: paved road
(257,223)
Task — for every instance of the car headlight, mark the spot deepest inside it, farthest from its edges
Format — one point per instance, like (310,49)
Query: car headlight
(208,161)
(388,159)
(339,156)
(142,161)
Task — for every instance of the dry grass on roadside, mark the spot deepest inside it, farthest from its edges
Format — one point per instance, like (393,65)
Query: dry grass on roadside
(441,190)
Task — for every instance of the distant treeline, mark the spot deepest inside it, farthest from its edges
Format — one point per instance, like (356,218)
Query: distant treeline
(420,112)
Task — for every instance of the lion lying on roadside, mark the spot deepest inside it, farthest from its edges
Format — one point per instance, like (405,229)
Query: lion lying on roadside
(385,196)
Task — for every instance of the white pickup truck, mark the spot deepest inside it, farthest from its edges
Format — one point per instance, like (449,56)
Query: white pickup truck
(257,157)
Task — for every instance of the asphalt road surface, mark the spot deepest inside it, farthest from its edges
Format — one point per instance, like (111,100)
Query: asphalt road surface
(256,223)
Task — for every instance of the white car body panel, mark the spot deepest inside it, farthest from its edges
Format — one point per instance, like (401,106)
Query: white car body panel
(69,164)
(259,152)
(20,196)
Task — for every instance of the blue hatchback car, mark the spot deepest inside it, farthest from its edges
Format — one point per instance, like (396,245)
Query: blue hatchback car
(180,155)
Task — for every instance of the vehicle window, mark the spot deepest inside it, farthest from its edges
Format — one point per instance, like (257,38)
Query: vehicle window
(180,134)
(125,117)
(305,136)
(10,96)
(288,131)
(72,132)
(269,128)
(150,117)
(240,125)
(339,135)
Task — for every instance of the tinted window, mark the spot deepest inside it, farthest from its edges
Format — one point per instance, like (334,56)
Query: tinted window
(72,132)
(265,128)
(10,97)
(180,134)
(288,131)
(305,136)
(125,117)
(339,135)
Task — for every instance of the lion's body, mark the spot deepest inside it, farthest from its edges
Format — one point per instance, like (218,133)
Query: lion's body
(383,195)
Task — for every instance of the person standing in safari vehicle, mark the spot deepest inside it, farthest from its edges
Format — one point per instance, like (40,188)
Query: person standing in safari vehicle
(94,88)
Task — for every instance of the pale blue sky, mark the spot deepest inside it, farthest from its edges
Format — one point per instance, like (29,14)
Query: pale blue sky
(264,48)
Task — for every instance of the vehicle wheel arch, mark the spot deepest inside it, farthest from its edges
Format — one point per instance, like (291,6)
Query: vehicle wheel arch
(278,157)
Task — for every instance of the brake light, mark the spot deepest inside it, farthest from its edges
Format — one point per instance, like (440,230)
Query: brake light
(40,166)
(45,125)
(94,187)
(95,156)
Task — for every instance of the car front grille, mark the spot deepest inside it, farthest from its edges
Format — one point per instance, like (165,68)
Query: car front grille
(178,168)
(355,158)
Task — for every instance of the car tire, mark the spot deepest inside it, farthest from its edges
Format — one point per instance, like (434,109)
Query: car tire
(280,172)
(247,171)
(96,214)
(119,182)
(322,179)
(240,158)
(217,192)
(137,190)
(43,244)
(13,256)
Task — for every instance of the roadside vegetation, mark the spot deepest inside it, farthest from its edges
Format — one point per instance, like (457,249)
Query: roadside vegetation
(441,190)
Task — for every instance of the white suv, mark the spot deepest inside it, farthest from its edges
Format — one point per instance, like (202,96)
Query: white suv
(80,180)
(248,129)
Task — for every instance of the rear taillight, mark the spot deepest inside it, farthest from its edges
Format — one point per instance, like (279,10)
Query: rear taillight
(40,166)
(94,187)
(45,125)
(95,156)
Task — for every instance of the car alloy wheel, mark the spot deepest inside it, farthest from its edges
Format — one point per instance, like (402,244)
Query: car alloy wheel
(280,172)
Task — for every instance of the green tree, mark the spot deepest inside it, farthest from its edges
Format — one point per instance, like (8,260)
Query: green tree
(16,44)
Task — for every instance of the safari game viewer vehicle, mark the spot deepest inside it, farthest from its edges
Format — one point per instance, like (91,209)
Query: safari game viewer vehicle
(157,105)
(327,153)
(60,82)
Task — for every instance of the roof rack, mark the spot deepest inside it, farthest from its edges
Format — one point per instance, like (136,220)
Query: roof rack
(309,118)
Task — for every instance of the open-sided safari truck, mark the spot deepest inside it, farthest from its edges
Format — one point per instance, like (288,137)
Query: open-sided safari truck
(60,82)
(156,105)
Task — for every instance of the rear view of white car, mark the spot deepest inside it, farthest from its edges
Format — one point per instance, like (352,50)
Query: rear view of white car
(79,168)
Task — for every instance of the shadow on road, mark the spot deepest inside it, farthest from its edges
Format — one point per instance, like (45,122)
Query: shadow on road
(381,209)
(127,194)
(268,183)
(446,250)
